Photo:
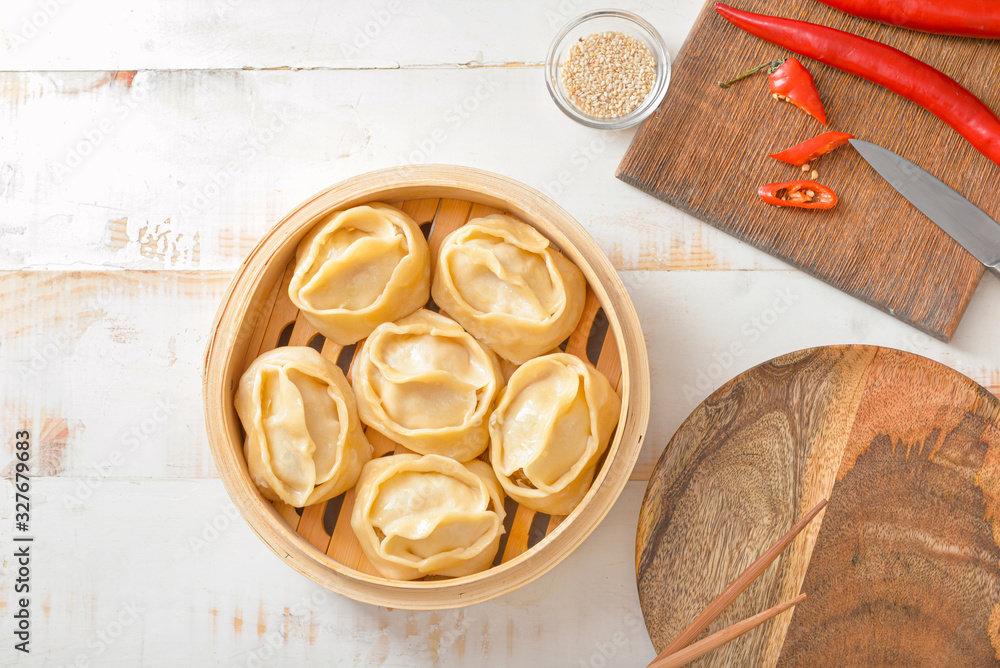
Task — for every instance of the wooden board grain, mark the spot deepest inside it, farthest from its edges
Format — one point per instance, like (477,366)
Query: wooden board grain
(706,150)
(902,566)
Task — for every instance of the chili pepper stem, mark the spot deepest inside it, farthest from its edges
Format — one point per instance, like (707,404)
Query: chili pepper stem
(774,64)
(884,65)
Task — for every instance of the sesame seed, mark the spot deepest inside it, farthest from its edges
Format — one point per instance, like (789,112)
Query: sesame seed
(608,74)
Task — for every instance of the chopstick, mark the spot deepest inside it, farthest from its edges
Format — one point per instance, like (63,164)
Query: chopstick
(737,587)
(720,638)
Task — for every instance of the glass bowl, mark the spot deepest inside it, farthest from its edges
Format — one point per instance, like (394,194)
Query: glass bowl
(598,21)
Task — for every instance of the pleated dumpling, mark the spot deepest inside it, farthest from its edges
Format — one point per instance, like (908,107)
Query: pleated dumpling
(551,425)
(505,283)
(425,383)
(304,443)
(358,268)
(428,515)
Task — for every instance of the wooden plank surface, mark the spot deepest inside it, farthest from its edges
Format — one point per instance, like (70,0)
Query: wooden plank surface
(901,566)
(235,34)
(98,351)
(705,152)
(87,351)
(203,214)
(207,593)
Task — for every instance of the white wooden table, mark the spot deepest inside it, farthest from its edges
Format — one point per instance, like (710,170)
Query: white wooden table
(144,148)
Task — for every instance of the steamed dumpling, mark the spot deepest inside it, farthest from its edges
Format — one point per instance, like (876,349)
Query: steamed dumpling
(505,283)
(304,443)
(358,268)
(425,383)
(428,515)
(551,425)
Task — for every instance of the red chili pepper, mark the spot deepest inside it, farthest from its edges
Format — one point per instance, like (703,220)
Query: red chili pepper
(965,18)
(793,82)
(811,149)
(799,194)
(902,74)
(789,81)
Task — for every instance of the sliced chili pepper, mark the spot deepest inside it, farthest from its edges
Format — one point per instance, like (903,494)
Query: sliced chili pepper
(902,74)
(799,194)
(789,80)
(811,149)
(792,82)
(965,18)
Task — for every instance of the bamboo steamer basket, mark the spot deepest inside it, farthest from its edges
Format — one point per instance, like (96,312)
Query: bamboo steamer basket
(256,315)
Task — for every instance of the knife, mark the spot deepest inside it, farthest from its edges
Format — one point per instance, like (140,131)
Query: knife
(964,222)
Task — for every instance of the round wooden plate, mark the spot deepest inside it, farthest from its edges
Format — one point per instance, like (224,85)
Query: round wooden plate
(901,568)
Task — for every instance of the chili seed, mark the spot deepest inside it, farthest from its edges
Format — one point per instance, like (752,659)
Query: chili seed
(805,167)
(814,174)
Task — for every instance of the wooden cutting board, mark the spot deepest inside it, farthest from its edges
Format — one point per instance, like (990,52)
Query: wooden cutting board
(901,568)
(705,151)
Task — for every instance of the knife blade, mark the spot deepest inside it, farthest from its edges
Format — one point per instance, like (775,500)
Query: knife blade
(964,222)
